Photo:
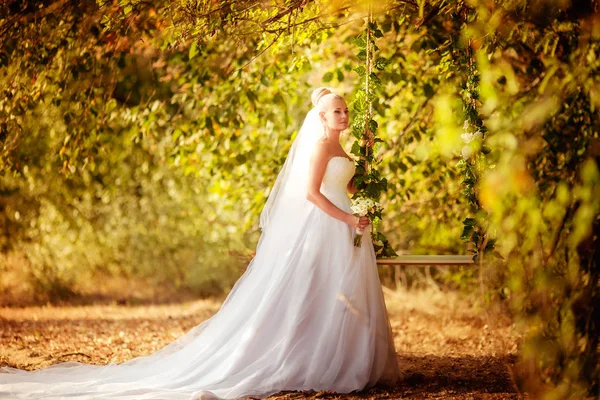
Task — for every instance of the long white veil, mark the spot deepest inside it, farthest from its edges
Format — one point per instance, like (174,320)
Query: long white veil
(281,222)
(288,194)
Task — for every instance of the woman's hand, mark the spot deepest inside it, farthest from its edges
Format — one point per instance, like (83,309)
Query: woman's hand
(357,222)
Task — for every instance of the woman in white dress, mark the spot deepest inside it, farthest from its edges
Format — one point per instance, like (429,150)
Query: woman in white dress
(308,312)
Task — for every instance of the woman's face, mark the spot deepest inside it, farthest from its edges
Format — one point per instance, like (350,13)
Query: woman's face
(336,114)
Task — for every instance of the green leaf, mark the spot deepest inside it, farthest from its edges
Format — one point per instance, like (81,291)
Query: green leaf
(428,90)
(388,251)
(466,233)
(383,185)
(176,134)
(361,71)
(328,77)
(252,97)
(360,42)
(373,125)
(373,190)
(193,50)
(209,125)
(469,222)
(359,178)
(381,63)
(490,244)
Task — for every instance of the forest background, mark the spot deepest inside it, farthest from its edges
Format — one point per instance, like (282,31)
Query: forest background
(140,140)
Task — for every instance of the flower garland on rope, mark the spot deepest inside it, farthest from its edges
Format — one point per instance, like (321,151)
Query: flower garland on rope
(473,162)
(367,179)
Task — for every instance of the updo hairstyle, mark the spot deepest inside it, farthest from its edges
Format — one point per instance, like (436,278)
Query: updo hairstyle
(320,96)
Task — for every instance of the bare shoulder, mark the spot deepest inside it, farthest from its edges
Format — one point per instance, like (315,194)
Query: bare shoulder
(322,151)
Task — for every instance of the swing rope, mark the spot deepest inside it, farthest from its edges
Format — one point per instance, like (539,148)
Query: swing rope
(369,68)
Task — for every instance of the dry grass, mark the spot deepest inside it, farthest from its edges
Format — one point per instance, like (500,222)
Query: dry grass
(449,347)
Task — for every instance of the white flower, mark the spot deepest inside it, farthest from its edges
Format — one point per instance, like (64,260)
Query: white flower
(467,152)
(469,137)
(364,205)
(466,125)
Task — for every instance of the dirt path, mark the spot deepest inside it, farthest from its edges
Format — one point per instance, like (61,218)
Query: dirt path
(447,347)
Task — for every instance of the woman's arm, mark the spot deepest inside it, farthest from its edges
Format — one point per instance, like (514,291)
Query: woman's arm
(350,188)
(318,164)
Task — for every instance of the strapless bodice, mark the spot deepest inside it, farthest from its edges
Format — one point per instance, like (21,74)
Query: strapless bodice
(338,173)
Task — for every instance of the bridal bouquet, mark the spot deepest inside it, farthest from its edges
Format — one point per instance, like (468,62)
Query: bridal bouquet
(364,207)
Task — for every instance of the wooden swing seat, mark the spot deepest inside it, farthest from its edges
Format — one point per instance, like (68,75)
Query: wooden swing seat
(409,259)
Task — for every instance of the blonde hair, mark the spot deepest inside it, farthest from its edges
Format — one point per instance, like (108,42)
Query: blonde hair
(318,93)
(320,97)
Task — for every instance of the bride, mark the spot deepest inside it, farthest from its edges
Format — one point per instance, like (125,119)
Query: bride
(308,312)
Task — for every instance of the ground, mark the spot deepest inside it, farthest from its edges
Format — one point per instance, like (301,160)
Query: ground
(448,345)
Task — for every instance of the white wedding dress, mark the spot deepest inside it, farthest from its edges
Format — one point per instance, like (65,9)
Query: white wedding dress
(308,313)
